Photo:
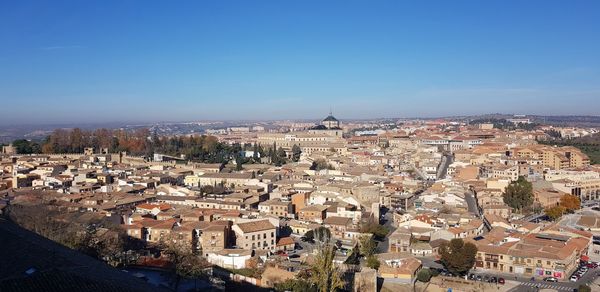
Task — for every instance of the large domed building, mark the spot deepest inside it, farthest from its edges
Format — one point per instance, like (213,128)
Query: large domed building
(329,126)
(330,122)
(325,137)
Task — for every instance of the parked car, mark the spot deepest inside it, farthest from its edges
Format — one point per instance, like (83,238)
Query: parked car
(493,280)
(479,278)
(550,279)
(574,278)
(501,281)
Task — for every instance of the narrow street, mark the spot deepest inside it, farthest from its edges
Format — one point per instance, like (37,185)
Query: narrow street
(447,159)
(472,203)
(384,245)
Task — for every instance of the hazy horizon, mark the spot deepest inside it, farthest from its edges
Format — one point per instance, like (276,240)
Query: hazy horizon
(69,62)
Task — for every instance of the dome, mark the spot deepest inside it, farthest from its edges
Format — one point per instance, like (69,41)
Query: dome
(330,118)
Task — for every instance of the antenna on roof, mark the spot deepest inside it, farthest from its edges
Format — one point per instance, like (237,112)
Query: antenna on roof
(330,111)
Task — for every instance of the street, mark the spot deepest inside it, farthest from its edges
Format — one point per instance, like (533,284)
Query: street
(526,284)
(447,159)
(472,203)
(384,245)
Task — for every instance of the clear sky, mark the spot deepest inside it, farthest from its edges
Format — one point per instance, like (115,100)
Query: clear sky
(106,61)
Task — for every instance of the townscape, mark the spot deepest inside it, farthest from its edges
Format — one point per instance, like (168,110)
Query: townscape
(403,205)
(299,146)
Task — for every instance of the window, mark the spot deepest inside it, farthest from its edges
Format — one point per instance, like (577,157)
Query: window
(252,237)
(272,234)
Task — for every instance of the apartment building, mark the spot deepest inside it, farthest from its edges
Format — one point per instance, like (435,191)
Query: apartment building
(277,208)
(555,158)
(214,238)
(313,213)
(255,235)
(550,253)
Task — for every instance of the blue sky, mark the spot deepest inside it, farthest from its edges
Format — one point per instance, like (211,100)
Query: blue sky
(107,61)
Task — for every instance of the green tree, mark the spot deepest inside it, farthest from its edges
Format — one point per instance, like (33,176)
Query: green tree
(295,285)
(23,146)
(255,155)
(373,262)
(239,161)
(518,194)
(325,275)
(457,256)
(321,164)
(280,157)
(309,235)
(322,234)
(296,152)
(367,245)
(379,231)
(424,275)
(584,288)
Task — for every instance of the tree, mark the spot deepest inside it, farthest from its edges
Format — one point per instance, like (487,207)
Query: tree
(280,157)
(554,212)
(23,146)
(457,256)
(379,231)
(239,161)
(518,194)
(367,245)
(185,263)
(309,235)
(321,164)
(295,285)
(584,288)
(325,275)
(322,234)
(570,202)
(424,275)
(296,152)
(255,153)
(373,262)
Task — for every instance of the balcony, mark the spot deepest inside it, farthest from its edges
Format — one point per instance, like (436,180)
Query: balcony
(493,259)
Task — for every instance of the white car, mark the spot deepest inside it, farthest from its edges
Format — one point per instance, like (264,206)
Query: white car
(574,278)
